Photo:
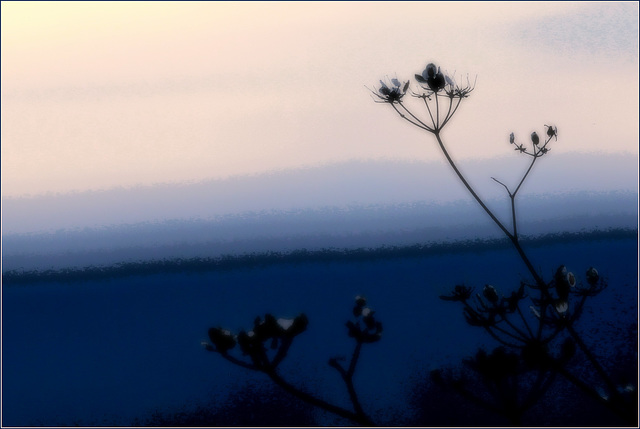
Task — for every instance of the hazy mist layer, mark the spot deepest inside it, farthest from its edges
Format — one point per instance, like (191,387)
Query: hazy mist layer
(348,205)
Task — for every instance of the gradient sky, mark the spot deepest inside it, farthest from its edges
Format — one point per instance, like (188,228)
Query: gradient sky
(97,95)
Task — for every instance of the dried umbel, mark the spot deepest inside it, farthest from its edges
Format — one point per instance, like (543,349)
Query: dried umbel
(267,334)
(564,281)
(490,293)
(592,276)
(392,92)
(554,310)
(538,147)
(365,328)
(432,77)
(265,346)
(459,293)
(222,339)
(534,138)
(439,92)
(595,284)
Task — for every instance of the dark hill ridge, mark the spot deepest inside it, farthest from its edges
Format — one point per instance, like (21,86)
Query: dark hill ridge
(251,260)
(315,229)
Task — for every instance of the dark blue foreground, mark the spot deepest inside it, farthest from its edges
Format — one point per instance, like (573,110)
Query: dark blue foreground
(124,348)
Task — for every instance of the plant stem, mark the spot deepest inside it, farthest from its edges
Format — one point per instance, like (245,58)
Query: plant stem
(629,415)
(347,377)
(610,385)
(538,279)
(355,417)
(436,133)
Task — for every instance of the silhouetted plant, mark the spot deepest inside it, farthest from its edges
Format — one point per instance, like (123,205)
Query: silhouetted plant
(265,346)
(535,346)
(250,405)
(533,340)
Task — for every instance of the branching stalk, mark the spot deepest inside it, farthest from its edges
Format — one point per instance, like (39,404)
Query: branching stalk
(355,417)
(347,377)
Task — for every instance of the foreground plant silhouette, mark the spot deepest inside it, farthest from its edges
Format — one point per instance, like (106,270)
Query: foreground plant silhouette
(267,344)
(544,341)
(535,346)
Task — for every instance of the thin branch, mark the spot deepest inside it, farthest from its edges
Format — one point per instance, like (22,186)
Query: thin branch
(505,186)
(514,219)
(630,416)
(430,115)
(403,116)
(610,385)
(354,359)
(452,113)
(361,419)
(446,117)
(282,352)
(415,117)
(469,188)
(515,328)
(500,340)
(524,320)
(347,377)
(539,388)
(533,161)
(513,208)
(437,113)
(238,362)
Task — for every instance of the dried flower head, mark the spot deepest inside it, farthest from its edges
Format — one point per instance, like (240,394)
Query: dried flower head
(433,78)
(592,275)
(534,138)
(222,339)
(365,328)
(459,293)
(490,293)
(391,92)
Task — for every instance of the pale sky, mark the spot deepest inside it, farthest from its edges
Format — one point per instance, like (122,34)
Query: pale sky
(98,95)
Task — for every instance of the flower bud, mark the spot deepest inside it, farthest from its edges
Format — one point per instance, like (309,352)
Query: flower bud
(562,282)
(592,276)
(430,71)
(490,293)
(449,81)
(571,279)
(222,339)
(360,303)
(207,346)
(561,306)
(285,324)
(438,82)
(354,330)
(384,89)
(534,138)
(512,138)
(298,326)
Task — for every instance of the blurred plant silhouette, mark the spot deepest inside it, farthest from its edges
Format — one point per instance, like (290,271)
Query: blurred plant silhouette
(248,405)
(535,347)
(538,345)
(267,344)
